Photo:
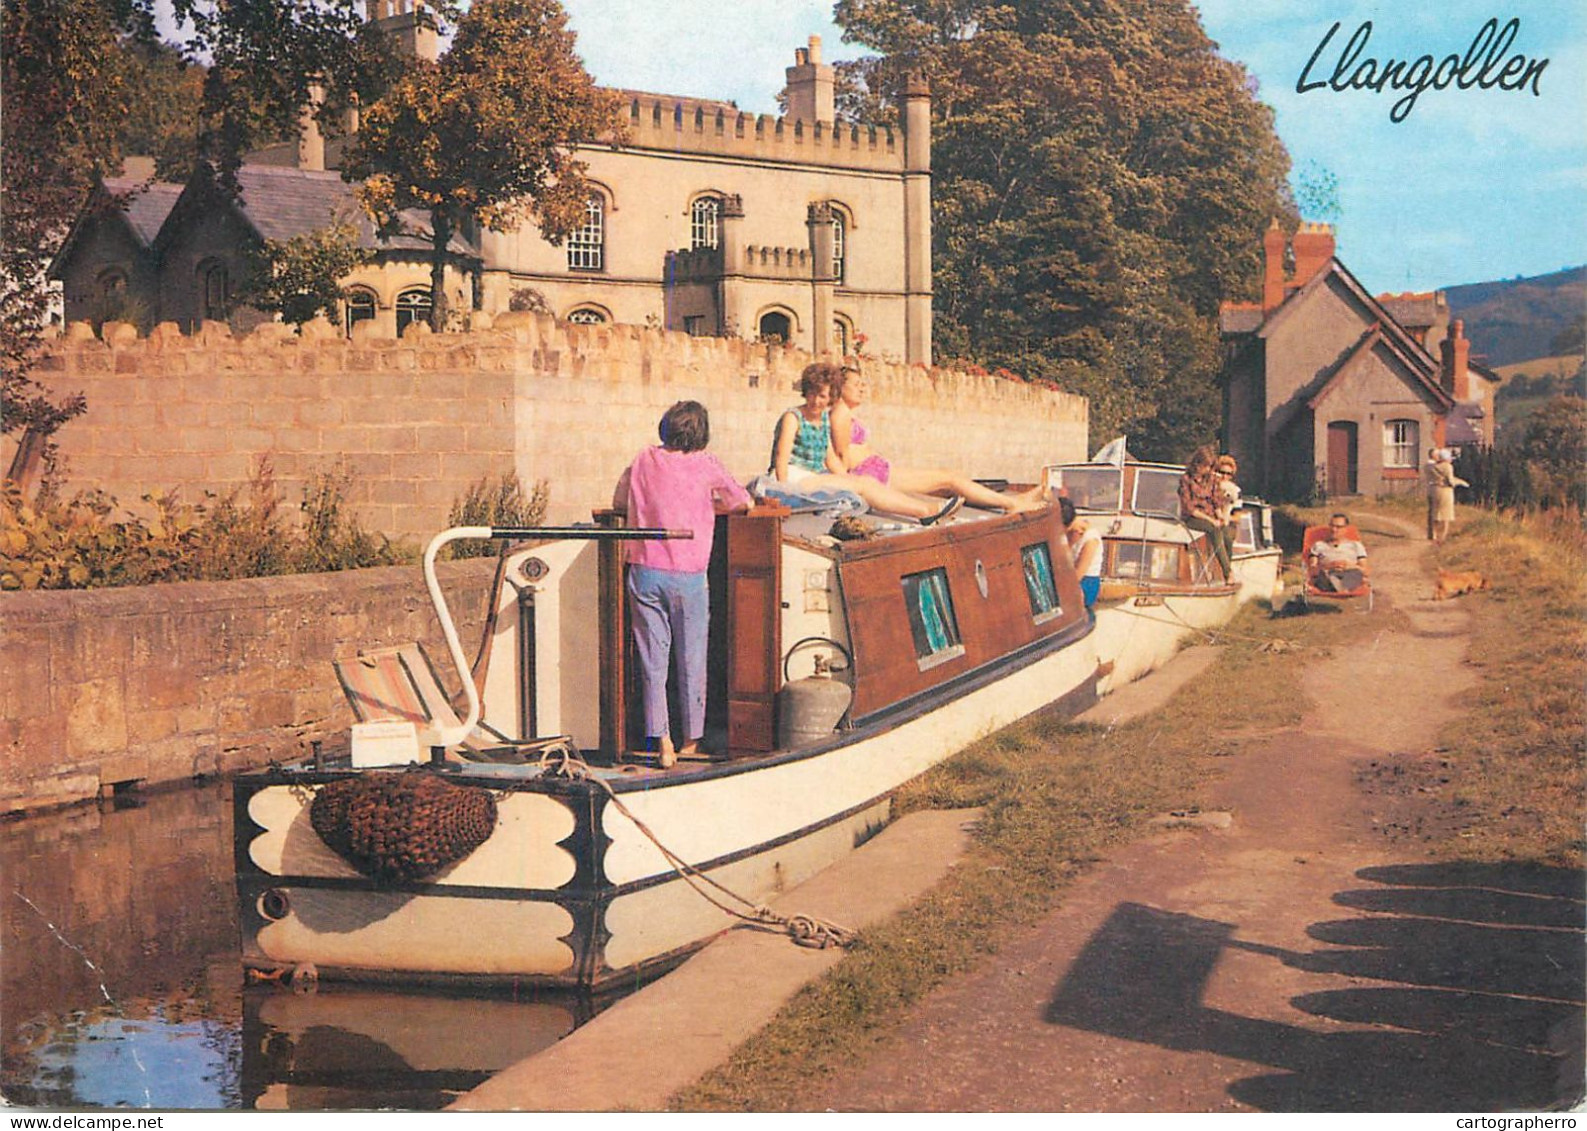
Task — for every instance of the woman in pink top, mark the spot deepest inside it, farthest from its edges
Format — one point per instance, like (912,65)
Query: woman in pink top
(851,443)
(677,486)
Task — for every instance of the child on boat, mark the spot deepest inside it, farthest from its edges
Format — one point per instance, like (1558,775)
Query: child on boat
(676,485)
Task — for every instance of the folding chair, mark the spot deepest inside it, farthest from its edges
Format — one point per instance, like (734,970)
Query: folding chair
(400,685)
(1309,590)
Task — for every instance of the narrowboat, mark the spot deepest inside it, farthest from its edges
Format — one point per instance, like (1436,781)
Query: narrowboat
(520,844)
(1160,584)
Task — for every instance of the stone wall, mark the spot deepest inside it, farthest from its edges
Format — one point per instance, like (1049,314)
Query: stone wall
(416,421)
(162,683)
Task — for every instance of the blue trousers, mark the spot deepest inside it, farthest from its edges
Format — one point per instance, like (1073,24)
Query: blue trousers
(671,616)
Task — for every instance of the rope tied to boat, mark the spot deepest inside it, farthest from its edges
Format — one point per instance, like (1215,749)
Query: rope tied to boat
(804,930)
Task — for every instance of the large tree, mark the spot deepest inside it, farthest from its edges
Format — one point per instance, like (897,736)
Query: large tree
(1101,178)
(266,60)
(487,136)
(63,98)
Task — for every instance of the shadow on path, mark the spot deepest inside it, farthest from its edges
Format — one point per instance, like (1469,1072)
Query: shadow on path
(1473,984)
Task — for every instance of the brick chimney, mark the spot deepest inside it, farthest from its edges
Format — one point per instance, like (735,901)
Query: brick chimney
(1314,247)
(811,85)
(1456,351)
(1273,241)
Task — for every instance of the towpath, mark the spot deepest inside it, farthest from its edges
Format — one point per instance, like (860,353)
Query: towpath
(1306,957)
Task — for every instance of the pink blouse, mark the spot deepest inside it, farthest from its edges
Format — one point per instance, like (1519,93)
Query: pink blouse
(677,491)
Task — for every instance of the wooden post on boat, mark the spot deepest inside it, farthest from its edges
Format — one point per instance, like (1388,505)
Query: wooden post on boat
(613,638)
(754,611)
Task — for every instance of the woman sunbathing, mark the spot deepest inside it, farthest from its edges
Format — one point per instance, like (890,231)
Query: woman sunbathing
(802,455)
(851,445)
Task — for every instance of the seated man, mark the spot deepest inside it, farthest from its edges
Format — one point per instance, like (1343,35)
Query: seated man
(1338,564)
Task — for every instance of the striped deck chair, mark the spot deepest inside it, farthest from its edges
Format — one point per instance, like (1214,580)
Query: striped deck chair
(400,685)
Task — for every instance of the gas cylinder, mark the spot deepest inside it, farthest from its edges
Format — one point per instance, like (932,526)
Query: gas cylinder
(808,709)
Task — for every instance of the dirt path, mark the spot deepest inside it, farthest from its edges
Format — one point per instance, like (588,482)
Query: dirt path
(1308,957)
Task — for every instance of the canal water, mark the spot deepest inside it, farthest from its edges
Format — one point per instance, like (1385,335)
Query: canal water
(121,986)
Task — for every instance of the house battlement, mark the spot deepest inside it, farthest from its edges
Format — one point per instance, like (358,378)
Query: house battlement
(701,126)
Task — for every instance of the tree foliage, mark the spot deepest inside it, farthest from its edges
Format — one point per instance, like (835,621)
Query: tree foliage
(64,95)
(268,59)
(300,277)
(1101,179)
(487,136)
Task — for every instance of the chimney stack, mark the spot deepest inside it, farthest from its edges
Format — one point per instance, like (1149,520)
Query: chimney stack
(811,86)
(1314,247)
(1456,351)
(1273,241)
(311,143)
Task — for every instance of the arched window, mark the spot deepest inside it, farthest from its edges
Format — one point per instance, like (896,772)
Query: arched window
(413,305)
(214,284)
(112,283)
(840,238)
(1401,442)
(842,336)
(703,214)
(587,316)
(775,327)
(587,244)
(360,307)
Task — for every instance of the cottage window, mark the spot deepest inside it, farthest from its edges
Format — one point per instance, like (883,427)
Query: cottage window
(1039,584)
(931,618)
(703,214)
(587,245)
(412,306)
(215,291)
(360,307)
(1400,443)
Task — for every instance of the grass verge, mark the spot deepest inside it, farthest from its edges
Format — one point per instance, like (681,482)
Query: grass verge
(1517,767)
(1056,796)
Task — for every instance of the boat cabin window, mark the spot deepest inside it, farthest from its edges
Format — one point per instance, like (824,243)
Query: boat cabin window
(931,619)
(1146,561)
(1156,492)
(1039,584)
(1091,488)
(1245,532)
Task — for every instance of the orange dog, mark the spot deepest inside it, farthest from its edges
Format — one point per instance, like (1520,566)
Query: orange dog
(1452,583)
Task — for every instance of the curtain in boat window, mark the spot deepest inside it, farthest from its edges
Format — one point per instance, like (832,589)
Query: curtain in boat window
(931,619)
(1039,585)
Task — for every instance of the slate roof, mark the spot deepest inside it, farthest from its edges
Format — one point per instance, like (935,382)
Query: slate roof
(146,206)
(1412,310)
(282,202)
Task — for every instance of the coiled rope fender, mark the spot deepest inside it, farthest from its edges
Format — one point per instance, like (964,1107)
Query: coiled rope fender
(805,930)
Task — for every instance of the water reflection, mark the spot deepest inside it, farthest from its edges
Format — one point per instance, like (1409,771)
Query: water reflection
(121,984)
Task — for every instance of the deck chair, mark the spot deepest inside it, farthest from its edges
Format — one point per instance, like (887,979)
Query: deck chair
(400,685)
(1310,592)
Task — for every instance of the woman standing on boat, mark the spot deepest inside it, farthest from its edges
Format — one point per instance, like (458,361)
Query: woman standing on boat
(676,486)
(851,444)
(1199,501)
(802,455)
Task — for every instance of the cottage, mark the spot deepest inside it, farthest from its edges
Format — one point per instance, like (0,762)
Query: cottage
(1328,390)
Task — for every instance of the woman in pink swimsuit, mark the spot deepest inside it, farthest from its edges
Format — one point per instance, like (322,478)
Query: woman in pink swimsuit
(851,443)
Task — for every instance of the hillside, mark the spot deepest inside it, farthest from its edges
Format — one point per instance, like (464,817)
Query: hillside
(1514,320)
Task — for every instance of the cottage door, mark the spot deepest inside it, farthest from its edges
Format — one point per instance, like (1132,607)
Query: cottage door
(1342,457)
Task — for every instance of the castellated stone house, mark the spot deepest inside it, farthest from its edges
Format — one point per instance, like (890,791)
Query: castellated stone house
(1328,389)
(708,221)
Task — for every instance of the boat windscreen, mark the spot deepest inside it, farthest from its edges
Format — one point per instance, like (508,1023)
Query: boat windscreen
(1091,488)
(1156,492)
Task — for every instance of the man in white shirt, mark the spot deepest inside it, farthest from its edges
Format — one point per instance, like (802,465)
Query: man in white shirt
(1338,564)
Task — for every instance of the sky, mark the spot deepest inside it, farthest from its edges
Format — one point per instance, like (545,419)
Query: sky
(1472,185)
